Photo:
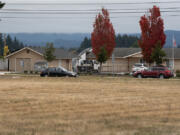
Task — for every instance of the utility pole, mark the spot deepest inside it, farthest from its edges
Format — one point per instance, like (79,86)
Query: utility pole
(1,6)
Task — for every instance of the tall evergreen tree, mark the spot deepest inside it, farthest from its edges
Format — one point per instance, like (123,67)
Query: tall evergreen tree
(13,45)
(9,43)
(1,5)
(86,43)
(49,52)
(122,41)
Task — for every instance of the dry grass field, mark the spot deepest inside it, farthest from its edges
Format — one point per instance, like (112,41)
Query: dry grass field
(89,106)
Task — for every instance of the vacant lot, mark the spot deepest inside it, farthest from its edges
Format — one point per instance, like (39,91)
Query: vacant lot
(89,106)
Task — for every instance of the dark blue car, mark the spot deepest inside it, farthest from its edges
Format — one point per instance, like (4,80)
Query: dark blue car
(57,72)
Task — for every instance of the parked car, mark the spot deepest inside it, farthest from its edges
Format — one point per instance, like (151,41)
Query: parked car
(57,72)
(139,67)
(154,72)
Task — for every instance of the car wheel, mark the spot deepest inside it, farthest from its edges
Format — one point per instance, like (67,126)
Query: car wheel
(139,76)
(161,76)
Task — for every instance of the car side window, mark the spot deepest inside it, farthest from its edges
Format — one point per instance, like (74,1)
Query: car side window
(58,70)
(51,69)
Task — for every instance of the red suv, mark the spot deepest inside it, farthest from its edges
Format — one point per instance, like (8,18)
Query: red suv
(155,72)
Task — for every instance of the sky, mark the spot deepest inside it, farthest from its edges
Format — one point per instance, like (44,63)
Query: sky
(73,16)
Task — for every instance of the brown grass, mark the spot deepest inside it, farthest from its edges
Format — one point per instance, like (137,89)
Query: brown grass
(89,106)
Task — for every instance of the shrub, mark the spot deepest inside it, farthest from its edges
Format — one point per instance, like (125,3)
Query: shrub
(177,73)
(36,72)
(31,72)
(25,71)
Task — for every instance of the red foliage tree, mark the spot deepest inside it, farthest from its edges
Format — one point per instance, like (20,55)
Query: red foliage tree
(103,35)
(152,32)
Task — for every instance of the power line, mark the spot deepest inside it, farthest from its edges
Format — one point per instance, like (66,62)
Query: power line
(53,10)
(40,17)
(109,3)
(86,12)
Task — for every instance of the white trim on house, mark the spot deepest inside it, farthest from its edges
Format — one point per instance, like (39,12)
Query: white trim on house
(131,55)
(23,50)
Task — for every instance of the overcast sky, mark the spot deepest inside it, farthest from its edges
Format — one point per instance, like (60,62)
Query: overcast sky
(12,19)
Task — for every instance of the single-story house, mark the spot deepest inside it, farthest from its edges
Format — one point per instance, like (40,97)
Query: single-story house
(27,58)
(123,59)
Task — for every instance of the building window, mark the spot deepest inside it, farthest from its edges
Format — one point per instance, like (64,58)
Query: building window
(142,61)
(21,63)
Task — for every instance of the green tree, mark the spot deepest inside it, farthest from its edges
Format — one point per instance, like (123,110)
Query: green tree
(49,52)
(102,57)
(135,44)
(1,5)
(122,41)
(86,43)
(158,54)
(13,45)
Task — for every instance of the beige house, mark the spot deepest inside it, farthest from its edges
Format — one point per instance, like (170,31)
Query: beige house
(123,59)
(26,59)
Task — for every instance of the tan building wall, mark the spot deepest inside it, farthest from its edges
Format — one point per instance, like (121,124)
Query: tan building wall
(177,64)
(65,63)
(24,61)
(119,65)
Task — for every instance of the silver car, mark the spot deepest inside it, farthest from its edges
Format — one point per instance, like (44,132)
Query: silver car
(139,67)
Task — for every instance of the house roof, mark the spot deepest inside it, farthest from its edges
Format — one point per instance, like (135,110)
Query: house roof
(129,52)
(22,50)
(120,52)
(59,53)
(169,53)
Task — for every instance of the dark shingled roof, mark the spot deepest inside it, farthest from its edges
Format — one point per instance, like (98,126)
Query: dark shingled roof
(169,53)
(120,52)
(59,53)
(124,52)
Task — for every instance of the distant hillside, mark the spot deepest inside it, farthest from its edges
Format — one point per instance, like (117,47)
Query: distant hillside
(169,37)
(75,39)
(59,39)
